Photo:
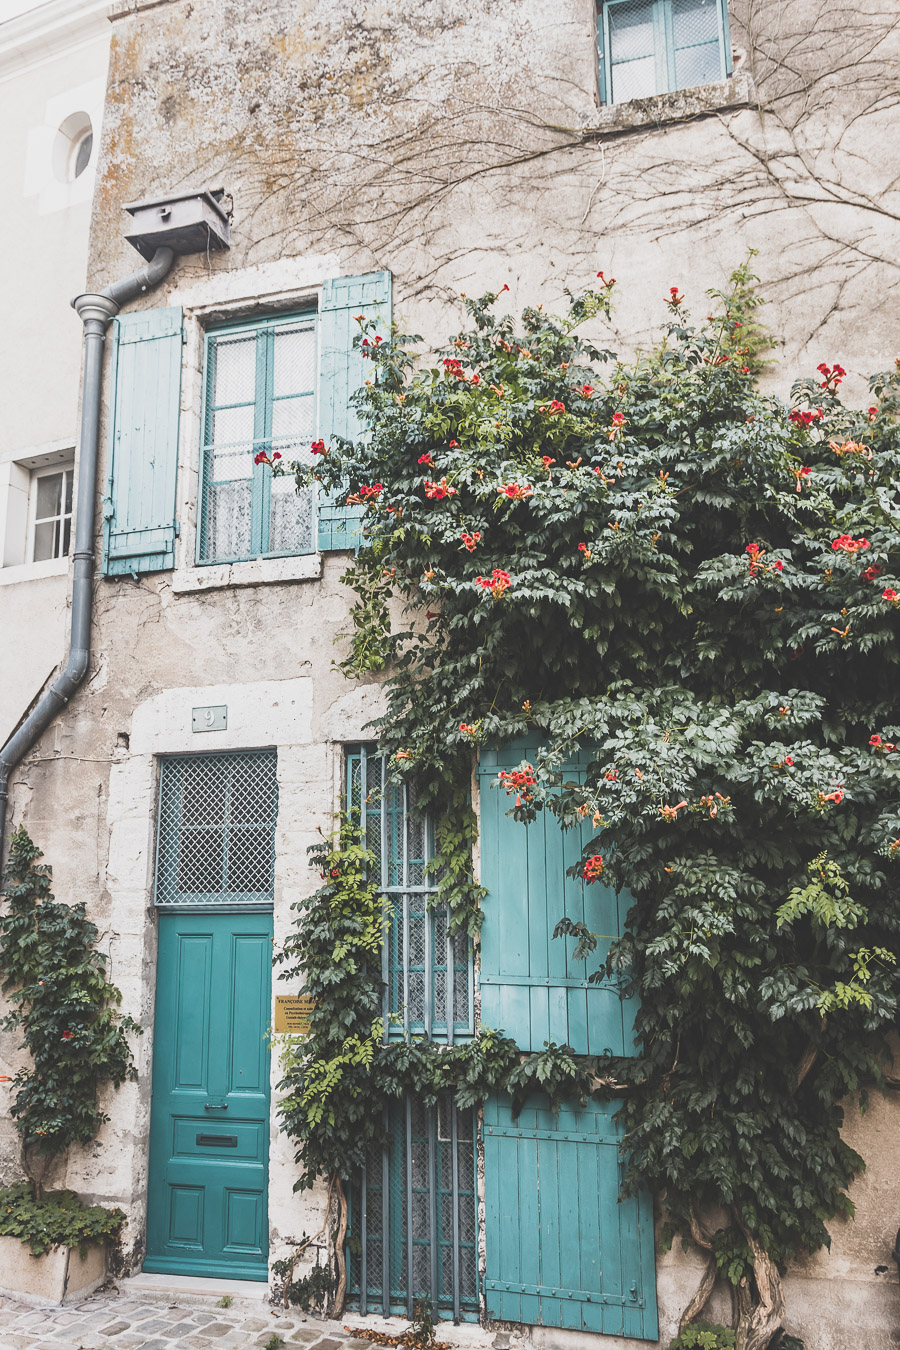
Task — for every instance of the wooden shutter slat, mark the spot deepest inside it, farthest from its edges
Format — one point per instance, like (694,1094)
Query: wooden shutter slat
(139,511)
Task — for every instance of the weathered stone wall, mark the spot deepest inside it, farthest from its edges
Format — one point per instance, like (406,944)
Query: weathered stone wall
(460,147)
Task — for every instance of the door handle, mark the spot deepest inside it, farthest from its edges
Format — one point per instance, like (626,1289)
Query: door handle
(216,1106)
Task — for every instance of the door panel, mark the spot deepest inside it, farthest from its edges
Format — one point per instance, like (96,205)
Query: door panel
(207,1211)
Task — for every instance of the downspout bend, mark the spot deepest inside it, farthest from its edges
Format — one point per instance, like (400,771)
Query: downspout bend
(96,312)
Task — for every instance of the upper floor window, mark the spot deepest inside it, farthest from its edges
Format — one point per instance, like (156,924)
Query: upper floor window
(51,504)
(659,46)
(260,397)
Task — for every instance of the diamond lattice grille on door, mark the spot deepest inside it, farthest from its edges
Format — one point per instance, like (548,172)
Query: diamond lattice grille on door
(216,830)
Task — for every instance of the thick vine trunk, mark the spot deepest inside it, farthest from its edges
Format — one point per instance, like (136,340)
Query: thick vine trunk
(340,1259)
(762,1316)
(701,1297)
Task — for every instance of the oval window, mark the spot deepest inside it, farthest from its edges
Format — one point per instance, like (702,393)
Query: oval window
(73,147)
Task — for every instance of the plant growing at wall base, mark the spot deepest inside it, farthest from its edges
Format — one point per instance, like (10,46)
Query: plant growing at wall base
(699,586)
(65,1007)
(57,1219)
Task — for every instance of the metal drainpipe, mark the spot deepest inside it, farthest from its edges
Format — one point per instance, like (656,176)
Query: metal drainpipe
(96,313)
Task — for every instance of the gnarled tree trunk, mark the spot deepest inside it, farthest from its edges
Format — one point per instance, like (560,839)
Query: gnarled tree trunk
(340,1294)
(763,1314)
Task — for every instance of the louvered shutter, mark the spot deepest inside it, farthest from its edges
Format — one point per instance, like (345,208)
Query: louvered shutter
(343,370)
(139,509)
(531,987)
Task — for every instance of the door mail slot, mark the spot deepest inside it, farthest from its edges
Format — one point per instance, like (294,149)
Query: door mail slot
(218,1140)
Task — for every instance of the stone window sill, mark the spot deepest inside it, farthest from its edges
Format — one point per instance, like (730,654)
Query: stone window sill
(257,572)
(665,109)
(33,571)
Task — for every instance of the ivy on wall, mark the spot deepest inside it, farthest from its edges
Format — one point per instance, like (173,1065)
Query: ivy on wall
(653,561)
(341,1073)
(65,1008)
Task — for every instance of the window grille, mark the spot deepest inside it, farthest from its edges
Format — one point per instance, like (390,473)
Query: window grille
(259,396)
(658,46)
(413,1213)
(216,829)
(428,975)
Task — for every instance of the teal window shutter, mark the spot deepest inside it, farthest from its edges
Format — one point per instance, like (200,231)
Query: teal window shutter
(139,510)
(531,986)
(562,1249)
(343,370)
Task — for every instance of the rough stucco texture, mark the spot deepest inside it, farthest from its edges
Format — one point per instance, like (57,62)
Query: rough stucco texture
(460,147)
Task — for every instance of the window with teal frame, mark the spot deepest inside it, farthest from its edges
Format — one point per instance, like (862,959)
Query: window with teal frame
(259,396)
(428,975)
(413,1213)
(659,46)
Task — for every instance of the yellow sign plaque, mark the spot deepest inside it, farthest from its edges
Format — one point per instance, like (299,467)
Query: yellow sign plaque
(292,1013)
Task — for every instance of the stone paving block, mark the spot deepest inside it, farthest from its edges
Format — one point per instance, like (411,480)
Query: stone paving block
(328,1344)
(114,1328)
(151,1325)
(180,1329)
(252,1324)
(217,1329)
(356,1344)
(305,1336)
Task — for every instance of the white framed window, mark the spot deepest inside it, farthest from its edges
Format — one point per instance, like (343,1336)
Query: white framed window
(50,511)
(36,509)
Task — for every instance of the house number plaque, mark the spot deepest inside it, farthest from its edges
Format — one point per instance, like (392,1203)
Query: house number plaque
(292,1013)
(210,719)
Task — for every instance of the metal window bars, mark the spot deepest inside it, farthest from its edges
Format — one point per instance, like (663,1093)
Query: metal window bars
(259,397)
(413,1213)
(428,974)
(216,829)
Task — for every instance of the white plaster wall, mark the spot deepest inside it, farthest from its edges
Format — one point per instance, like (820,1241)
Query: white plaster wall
(51,65)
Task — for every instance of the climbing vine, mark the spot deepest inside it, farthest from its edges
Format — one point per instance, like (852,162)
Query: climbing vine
(696,588)
(340,1074)
(66,1009)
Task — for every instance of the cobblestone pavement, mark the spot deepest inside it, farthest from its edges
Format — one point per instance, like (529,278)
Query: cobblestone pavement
(108,1321)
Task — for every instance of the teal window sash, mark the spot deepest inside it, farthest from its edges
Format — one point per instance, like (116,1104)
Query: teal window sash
(663,48)
(413,1213)
(426,973)
(264,437)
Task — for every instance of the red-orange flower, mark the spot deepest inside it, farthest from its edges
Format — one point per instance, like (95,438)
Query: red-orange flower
(514,492)
(593,867)
(436,491)
(497,583)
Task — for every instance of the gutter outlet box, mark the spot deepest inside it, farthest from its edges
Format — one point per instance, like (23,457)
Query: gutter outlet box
(189,222)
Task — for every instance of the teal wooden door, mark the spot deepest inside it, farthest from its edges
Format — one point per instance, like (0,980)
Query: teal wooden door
(562,1250)
(207,1189)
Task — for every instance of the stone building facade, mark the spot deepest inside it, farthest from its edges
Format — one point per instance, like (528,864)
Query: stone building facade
(420,150)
